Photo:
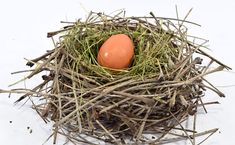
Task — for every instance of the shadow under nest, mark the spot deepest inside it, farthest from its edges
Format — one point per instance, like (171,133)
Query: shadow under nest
(163,86)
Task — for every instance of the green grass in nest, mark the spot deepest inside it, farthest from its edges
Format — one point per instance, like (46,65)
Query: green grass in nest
(153,48)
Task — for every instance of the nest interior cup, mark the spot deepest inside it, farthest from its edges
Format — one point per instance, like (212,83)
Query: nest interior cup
(161,88)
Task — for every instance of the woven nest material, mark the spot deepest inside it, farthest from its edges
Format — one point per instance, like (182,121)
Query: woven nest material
(163,86)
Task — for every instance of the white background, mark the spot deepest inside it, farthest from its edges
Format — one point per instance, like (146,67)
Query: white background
(23,28)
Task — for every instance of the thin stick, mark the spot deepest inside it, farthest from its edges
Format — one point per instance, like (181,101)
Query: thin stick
(181,127)
(141,129)
(97,121)
(212,132)
(194,124)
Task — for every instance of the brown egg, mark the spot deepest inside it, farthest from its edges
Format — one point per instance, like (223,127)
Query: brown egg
(116,52)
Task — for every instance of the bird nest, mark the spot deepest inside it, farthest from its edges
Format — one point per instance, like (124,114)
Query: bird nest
(162,88)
